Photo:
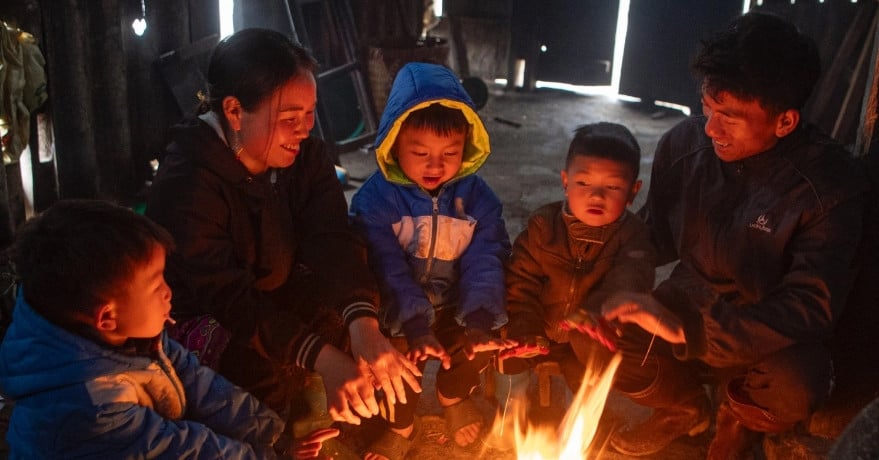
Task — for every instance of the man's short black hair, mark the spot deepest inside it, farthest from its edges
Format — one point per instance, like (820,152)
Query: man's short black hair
(606,140)
(79,254)
(760,56)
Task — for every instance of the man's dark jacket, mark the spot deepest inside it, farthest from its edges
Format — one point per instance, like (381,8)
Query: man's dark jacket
(765,244)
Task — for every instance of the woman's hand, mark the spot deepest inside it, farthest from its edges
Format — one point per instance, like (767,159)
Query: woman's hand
(389,368)
(647,313)
(426,347)
(350,391)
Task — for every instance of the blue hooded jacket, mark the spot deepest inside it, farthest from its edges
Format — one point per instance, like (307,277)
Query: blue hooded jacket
(445,250)
(75,398)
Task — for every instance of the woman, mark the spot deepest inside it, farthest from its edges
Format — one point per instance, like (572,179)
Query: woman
(264,247)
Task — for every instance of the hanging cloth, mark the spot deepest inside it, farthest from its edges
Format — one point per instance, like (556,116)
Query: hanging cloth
(22,88)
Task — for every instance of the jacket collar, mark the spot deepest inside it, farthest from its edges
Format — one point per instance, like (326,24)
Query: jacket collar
(205,145)
(579,232)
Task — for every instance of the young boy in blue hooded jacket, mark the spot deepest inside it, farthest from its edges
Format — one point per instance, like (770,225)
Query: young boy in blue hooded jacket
(437,244)
(85,360)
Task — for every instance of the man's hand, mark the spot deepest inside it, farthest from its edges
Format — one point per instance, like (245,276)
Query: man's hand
(346,386)
(426,347)
(310,445)
(479,340)
(647,313)
(389,368)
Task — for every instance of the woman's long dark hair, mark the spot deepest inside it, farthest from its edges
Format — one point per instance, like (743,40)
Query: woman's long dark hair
(250,65)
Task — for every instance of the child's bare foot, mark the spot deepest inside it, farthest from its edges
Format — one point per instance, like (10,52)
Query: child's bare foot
(468,434)
(463,419)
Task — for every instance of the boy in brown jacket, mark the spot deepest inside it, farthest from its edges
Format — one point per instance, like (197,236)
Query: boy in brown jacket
(573,255)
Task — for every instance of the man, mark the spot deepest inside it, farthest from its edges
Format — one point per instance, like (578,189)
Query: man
(764,214)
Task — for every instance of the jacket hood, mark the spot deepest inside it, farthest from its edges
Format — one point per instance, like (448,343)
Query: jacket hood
(416,86)
(37,356)
(198,141)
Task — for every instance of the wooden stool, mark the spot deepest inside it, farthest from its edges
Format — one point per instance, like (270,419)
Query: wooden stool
(545,371)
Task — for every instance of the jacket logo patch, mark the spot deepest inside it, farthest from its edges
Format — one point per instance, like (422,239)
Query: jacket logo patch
(760,224)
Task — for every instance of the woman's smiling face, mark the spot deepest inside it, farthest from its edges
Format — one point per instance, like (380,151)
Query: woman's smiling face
(271,134)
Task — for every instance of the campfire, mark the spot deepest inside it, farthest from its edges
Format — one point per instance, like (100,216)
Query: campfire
(573,439)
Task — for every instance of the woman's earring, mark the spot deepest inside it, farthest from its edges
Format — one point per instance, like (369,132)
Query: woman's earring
(235,145)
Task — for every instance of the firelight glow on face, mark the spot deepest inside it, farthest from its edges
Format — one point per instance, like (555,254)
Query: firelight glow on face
(430,159)
(144,307)
(598,189)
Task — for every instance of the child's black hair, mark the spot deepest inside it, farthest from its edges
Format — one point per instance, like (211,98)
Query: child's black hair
(440,119)
(79,254)
(606,140)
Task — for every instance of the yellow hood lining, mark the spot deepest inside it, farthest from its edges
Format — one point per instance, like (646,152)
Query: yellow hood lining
(476,150)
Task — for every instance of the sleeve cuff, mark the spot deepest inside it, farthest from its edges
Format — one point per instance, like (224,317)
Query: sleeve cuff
(307,348)
(694,331)
(696,344)
(479,319)
(358,309)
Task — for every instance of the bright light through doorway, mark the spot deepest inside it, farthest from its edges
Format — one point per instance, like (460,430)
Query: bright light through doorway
(226,26)
(613,90)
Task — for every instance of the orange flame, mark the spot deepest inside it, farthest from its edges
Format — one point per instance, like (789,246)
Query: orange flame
(574,437)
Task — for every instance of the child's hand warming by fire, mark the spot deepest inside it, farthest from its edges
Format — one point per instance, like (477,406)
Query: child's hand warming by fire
(597,327)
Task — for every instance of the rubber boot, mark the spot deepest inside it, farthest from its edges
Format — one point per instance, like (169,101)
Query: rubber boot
(740,426)
(732,441)
(681,407)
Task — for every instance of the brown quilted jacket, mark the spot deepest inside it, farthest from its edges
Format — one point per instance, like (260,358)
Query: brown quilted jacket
(560,264)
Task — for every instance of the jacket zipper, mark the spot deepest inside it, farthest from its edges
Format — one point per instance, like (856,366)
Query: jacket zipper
(574,276)
(175,382)
(433,231)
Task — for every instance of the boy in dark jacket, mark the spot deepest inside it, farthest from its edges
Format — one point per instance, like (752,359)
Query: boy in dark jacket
(86,362)
(437,243)
(572,256)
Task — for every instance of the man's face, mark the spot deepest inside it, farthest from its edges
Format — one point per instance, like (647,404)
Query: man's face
(598,189)
(430,159)
(740,129)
